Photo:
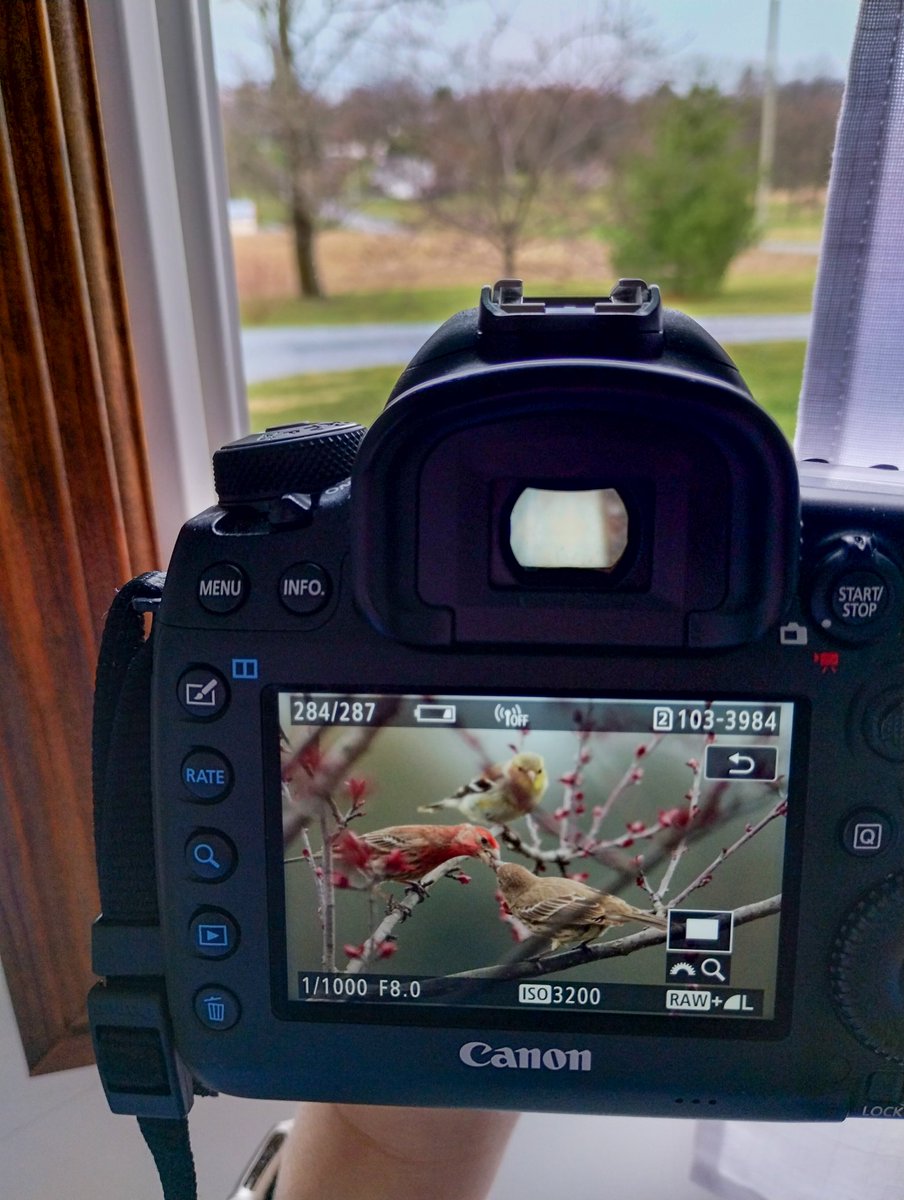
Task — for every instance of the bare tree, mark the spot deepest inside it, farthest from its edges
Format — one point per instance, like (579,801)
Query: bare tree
(503,132)
(309,41)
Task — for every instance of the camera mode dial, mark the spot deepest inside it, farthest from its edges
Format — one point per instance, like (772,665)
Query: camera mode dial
(286,459)
(867,969)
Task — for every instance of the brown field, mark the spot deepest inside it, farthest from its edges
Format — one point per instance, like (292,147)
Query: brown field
(359,262)
(362,262)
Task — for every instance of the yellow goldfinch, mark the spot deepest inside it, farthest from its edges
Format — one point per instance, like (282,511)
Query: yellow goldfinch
(501,793)
(566,911)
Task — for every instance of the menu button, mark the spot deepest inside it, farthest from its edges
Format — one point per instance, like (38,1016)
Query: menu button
(222,588)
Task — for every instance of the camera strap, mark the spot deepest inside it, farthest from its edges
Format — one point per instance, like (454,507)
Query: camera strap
(129,1015)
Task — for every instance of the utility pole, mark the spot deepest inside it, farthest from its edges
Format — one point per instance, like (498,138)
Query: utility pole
(767,120)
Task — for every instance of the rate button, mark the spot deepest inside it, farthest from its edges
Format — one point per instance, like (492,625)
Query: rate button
(207,774)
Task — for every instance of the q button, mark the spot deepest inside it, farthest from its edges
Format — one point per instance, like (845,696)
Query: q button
(209,856)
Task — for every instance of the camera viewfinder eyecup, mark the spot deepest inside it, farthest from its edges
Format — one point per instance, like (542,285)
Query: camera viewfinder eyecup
(574,395)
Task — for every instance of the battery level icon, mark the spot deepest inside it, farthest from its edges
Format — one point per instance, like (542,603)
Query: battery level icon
(435,714)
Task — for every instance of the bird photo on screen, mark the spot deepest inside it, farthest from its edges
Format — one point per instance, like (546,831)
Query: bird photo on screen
(501,793)
(565,911)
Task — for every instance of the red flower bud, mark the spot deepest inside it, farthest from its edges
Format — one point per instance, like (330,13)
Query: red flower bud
(357,790)
(640,751)
(569,779)
(386,949)
(311,758)
(636,774)
(340,881)
(635,826)
(674,818)
(353,951)
(351,850)
(462,877)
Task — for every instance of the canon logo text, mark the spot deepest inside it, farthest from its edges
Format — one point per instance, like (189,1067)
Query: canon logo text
(525,1058)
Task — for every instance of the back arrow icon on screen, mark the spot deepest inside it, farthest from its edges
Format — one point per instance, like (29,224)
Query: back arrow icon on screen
(738,759)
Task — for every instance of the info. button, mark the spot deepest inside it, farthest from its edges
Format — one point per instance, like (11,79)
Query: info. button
(305,588)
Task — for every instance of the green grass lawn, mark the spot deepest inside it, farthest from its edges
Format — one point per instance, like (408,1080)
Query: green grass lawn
(772,370)
(777,292)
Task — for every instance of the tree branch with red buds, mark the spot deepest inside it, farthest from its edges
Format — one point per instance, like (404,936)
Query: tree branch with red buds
(384,934)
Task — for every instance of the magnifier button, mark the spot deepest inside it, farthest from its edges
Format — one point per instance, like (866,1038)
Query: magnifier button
(209,856)
(712,969)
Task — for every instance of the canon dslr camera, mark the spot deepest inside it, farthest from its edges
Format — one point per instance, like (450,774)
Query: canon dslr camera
(539,747)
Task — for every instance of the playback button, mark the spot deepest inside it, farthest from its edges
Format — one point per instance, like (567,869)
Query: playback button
(213,934)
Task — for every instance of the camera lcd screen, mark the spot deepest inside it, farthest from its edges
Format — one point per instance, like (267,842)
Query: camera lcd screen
(532,853)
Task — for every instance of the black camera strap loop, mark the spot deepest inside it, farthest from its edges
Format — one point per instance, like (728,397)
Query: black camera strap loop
(123,829)
(138,1064)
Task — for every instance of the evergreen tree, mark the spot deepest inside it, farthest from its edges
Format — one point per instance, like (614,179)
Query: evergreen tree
(684,208)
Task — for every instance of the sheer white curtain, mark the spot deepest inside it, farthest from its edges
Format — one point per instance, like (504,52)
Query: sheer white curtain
(852,414)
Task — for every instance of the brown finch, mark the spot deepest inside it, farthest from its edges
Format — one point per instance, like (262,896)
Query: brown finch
(501,793)
(405,853)
(565,911)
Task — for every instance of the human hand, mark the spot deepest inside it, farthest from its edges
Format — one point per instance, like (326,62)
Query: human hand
(358,1152)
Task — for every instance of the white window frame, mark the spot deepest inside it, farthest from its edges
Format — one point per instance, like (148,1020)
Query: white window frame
(160,109)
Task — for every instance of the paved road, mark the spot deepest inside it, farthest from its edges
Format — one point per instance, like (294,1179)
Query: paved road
(274,352)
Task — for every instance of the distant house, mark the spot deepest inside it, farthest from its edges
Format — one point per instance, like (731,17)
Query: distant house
(242,217)
(403,177)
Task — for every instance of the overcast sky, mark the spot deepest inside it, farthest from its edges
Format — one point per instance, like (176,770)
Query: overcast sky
(716,38)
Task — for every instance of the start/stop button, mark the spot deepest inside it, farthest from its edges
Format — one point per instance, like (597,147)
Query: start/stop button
(857,590)
(859,597)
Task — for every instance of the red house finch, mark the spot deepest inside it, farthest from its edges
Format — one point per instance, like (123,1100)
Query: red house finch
(405,853)
(565,911)
(502,792)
